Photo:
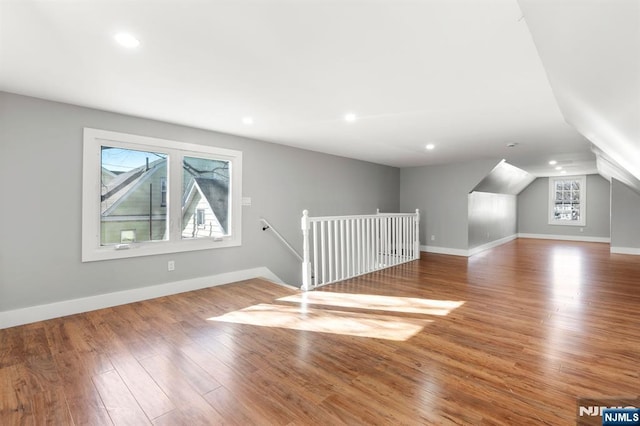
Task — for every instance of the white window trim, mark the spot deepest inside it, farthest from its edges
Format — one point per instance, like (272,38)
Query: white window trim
(583,201)
(91,175)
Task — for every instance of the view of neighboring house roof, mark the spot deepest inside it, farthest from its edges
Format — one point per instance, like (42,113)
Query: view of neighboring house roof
(120,187)
(108,176)
(216,193)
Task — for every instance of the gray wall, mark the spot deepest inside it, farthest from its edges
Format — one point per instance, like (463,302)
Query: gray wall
(533,214)
(441,193)
(625,216)
(491,217)
(41,186)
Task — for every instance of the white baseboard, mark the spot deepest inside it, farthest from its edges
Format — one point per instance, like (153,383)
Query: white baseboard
(492,244)
(470,252)
(445,250)
(566,238)
(91,303)
(625,250)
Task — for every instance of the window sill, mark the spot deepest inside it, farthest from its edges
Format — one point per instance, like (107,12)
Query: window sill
(567,223)
(154,248)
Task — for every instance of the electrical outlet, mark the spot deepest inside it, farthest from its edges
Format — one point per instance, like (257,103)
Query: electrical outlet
(581,229)
(433,238)
(171,265)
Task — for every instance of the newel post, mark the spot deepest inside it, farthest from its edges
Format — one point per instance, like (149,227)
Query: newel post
(306,263)
(416,242)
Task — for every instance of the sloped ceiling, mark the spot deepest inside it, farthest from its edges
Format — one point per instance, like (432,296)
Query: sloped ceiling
(505,179)
(461,74)
(609,169)
(590,50)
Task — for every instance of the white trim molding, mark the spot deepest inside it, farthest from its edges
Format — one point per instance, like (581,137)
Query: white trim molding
(585,239)
(85,304)
(492,244)
(470,252)
(445,250)
(626,250)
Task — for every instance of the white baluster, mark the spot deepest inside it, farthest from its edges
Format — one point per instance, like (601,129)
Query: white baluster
(342,255)
(336,242)
(306,266)
(330,249)
(416,238)
(323,253)
(315,253)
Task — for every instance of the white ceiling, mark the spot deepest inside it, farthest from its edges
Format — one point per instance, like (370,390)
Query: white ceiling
(461,74)
(591,53)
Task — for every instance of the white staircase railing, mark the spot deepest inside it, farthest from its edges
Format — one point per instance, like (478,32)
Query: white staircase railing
(267,226)
(336,248)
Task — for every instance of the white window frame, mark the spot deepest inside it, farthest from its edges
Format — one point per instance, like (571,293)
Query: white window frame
(583,201)
(94,139)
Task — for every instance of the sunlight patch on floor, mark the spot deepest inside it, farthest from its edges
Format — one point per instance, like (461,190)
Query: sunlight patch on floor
(313,312)
(409,305)
(303,318)
(567,270)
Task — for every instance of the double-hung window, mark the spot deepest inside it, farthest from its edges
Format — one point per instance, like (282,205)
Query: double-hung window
(145,196)
(567,200)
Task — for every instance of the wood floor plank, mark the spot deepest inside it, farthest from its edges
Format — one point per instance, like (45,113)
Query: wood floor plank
(119,402)
(14,398)
(12,346)
(57,335)
(153,401)
(195,375)
(83,400)
(233,411)
(190,404)
(50,408)
(533,326)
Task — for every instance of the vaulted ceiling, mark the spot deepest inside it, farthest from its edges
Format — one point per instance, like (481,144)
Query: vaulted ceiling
(475,78)
(591,53)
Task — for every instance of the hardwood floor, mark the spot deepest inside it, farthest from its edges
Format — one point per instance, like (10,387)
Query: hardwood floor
(514,335)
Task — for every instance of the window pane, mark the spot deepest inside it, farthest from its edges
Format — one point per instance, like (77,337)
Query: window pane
(575,213)
(205,198)
(131,197)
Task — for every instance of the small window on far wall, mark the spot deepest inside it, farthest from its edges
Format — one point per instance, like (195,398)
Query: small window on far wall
(568,200)
(200,218)
(163,192)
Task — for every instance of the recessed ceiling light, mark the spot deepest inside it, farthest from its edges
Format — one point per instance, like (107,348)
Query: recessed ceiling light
(564,172)
(430,146)
(247,120)
(559,168)
(351,117)
(127,40)
(553,162)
